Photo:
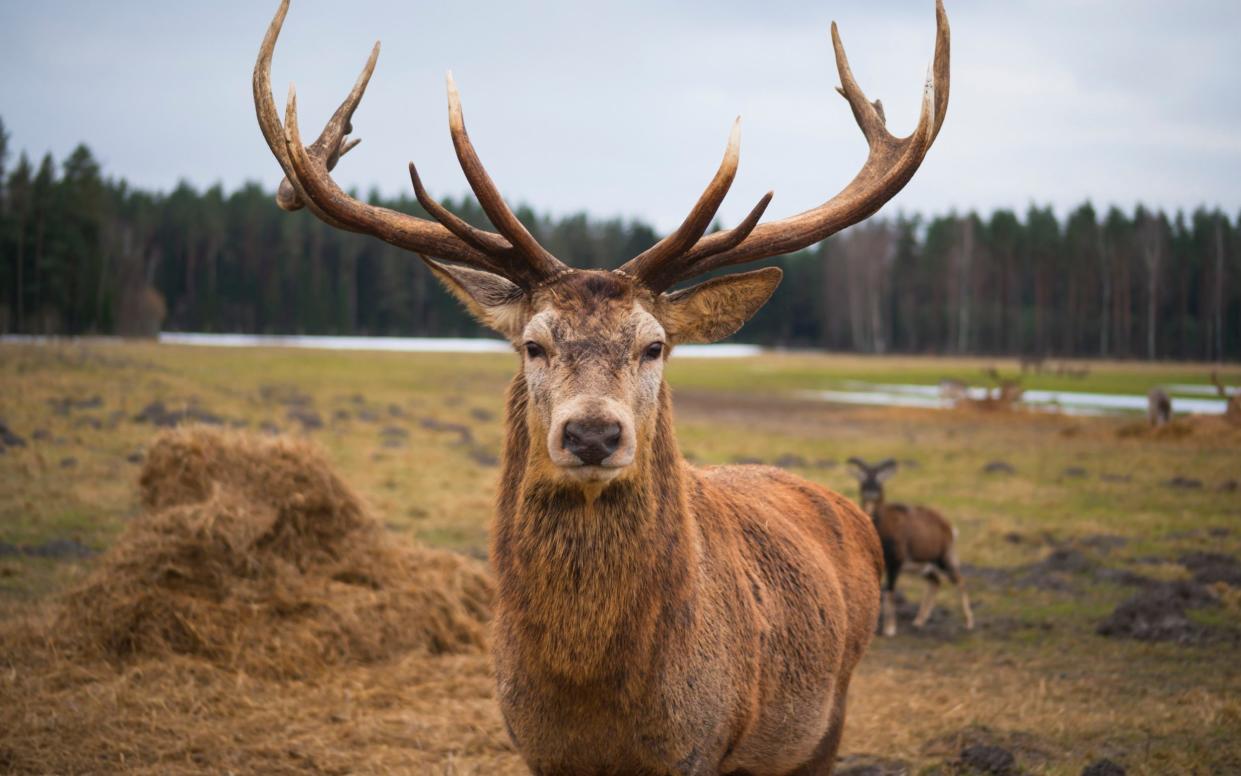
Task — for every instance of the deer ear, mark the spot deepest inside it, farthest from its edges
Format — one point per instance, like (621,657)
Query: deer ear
(885,470)
(713,310)
(858,469)
(495,302)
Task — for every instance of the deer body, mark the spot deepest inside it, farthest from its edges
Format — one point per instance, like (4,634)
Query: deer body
(651,618)
(681,621)
(908,535)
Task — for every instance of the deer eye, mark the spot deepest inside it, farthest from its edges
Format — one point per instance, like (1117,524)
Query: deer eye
(534,350)
(653,351)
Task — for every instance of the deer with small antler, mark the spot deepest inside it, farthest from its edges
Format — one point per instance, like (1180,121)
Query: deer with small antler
(651,617)
(909,534)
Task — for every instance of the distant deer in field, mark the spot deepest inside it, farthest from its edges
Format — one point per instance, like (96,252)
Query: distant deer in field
(1158,407)
(1232,408)
(651,617)
(909,534)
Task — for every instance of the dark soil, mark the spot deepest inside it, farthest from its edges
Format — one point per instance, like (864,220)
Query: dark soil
(463,431)
(871,765)
(9,438)
(56,549)
(1104,767)
(985,758)
(63,405)
(1184,483)
(998,467)
(288,395)
(484,457)
(1211,567)
(1160,613)
(394,432)
(308,418)
(979,749)
(158,415)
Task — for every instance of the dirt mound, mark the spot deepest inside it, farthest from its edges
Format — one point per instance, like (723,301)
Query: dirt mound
(254,555)
(1213,567)
(1160,613)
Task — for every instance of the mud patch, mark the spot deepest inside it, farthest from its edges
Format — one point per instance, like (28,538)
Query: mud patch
(998,467)
(1104,767)
(63,405)
(1184,483)
(1160,613)
(981,749)
(307,418)
(56,549)
(1212,567)
(985,758)
(9,438)
(484,457)
(157,414)
(464,435)
(871,765)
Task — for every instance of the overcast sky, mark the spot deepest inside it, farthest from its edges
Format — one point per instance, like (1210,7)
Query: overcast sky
(623,109)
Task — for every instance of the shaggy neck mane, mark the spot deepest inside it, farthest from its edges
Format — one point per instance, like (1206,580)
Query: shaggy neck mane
(587,578)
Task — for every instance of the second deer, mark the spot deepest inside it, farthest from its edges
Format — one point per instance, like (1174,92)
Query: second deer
(909,534)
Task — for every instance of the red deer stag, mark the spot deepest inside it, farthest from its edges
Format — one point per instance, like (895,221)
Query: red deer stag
(651,617)
(909,534)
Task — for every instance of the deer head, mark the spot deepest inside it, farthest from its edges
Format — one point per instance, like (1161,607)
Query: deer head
(870,480)
(593,343)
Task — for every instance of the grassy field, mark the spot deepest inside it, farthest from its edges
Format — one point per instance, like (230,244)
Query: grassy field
(1061,520)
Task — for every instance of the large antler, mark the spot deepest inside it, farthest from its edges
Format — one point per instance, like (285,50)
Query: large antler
(890,164)
(514,253)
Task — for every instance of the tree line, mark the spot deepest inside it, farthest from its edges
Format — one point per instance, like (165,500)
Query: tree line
(81,253)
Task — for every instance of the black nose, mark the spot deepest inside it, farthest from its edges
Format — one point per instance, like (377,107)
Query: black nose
(592,440)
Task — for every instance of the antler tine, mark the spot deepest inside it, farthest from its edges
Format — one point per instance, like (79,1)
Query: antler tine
(489,196)
(288,195)
(890,164)
(651,265)
(308,183)
(664,276)
(399,229)
(331,143)
(487,242)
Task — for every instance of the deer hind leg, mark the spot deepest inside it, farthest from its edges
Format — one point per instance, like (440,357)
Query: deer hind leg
(953,569)
(887,602)
(928,599)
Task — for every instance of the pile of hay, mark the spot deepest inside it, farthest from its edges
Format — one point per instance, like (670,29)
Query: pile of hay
(255,619)
(254,555)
